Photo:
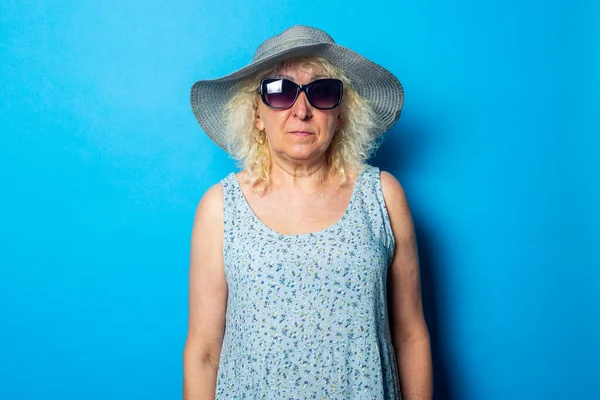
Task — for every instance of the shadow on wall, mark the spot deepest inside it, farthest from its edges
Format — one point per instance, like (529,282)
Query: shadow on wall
(403,148)
(400,150)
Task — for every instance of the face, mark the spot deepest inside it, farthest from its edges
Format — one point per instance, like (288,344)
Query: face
(301,132)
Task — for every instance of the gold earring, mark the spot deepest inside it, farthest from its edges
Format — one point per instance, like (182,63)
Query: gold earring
(260,138)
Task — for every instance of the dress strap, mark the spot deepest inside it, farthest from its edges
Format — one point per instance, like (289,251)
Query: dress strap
(373,205)
(231,209)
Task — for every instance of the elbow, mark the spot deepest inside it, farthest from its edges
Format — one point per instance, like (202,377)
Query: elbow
(417,334)
(197,355)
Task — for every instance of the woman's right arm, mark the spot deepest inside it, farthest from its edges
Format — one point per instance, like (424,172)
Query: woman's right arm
(207,299)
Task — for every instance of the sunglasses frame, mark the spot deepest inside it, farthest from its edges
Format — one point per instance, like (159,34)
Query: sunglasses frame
(301,88)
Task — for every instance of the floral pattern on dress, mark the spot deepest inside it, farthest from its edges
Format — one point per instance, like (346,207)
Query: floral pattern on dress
(307,314)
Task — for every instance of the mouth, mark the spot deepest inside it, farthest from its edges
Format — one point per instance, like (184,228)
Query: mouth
(301,133)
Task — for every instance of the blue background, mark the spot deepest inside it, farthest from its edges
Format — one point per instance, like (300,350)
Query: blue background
(102,164)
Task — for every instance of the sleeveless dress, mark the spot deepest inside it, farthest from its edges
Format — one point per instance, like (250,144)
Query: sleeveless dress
(307,314)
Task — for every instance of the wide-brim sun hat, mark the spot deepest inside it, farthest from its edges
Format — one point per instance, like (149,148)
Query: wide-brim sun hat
(373,82)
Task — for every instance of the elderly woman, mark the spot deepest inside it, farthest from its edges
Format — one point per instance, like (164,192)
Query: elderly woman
(304,277)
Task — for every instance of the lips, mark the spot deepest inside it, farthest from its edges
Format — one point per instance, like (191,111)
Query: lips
(301,133)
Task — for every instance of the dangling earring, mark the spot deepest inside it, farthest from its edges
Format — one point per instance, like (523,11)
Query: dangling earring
(260,138)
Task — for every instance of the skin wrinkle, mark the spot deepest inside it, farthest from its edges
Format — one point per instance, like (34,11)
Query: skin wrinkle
(350,147)
(298,157)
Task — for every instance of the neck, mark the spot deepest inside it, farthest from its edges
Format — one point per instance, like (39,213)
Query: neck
(307,175)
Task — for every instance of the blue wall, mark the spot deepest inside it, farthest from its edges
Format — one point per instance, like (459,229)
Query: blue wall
(102,164)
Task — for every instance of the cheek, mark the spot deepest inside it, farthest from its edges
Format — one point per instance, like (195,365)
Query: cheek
(332,124)
(272,125)
(268,120)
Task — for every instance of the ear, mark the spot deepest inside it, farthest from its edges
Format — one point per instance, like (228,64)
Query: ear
(258,121)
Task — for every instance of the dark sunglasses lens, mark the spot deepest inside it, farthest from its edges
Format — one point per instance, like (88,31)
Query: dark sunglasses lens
(325,93)
(279,93)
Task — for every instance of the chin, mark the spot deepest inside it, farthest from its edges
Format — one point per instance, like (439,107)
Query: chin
(302,153)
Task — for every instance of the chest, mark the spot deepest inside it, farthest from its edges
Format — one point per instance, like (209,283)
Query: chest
(295,213)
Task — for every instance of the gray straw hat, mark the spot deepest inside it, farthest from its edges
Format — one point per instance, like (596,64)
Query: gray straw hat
(370,80)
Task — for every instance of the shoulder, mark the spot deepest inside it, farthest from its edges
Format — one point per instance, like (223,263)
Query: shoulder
(393,192)
(210,207)
(397,205)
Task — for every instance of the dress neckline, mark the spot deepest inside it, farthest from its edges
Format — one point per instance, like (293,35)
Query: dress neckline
(280,235)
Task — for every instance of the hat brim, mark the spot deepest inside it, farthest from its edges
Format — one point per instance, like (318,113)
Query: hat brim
(370,80)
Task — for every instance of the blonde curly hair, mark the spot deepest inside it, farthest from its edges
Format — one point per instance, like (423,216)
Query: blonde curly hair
(353,142)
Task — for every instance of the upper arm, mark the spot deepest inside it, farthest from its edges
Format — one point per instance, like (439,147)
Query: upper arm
(404,285)
(207,285)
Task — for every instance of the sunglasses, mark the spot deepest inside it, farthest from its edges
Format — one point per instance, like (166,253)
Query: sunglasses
(280,93)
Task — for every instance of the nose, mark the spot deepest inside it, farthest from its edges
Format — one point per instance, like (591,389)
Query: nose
(302,108)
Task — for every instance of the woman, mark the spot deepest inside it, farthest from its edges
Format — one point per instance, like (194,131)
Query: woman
(304,278)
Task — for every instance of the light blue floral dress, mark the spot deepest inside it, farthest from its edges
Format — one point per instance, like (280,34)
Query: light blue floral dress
(307,314)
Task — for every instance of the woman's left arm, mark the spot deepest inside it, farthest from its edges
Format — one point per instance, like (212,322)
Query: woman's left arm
(407,323)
